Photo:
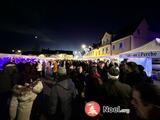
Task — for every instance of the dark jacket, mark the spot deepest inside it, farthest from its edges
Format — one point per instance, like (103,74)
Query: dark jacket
(62,94)
(117,94)
(134,78)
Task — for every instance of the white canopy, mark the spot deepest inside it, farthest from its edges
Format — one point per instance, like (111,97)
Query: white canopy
(151,50)
(143,55)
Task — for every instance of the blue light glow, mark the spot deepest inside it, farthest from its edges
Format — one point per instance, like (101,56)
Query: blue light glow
(5,58)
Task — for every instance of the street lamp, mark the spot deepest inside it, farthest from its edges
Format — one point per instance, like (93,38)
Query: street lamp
(35,37)
(83,46)
(75,52)
(19,51)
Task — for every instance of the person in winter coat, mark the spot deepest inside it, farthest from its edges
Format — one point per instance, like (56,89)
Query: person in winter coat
(24,94)
(94,86)
(62,94)
(8,78)
(133,77)
(22,100)
(117,94)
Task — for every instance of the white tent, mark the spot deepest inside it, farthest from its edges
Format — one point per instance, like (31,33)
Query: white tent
(151,50)
(143,55)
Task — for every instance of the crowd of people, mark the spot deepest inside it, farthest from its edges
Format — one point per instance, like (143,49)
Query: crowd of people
(59,90)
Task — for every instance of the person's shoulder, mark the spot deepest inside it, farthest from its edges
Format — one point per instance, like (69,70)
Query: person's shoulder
(68,79)
(124,86)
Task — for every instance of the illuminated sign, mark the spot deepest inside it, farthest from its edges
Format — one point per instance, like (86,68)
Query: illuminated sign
(151,54)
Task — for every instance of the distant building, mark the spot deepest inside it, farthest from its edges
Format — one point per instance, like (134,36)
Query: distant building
(57,54)
(107,39)
(130,37)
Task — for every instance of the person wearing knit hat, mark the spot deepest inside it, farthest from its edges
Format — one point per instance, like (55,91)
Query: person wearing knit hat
(62,94)
(117,94)
(113,73)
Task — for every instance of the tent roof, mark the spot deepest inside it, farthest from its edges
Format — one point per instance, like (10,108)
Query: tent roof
(153,46)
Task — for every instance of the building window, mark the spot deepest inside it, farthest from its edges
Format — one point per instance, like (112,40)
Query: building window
(121,45)
(113,47)
(103,42)
(106,49)
(103,51)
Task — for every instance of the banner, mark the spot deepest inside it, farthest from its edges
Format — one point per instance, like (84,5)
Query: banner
(148,54)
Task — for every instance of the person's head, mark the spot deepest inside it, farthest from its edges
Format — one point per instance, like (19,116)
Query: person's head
(93,70)
(132,67)
(62,71)
(113,73)
(94,64)
(141,68)
(146,97)
(125,60)
(101,64)
(123,67)
(80,69)
(10,68)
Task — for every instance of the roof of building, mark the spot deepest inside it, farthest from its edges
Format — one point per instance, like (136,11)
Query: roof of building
(127,30)
(47,51)
(96,45)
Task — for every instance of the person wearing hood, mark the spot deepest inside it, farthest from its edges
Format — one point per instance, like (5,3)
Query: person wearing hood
(8,77)
(24,92)
(62,94)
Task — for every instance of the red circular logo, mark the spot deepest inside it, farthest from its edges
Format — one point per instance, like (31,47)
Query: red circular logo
(92,108)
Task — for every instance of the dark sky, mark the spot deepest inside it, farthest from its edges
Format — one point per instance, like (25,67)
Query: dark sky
(67,24)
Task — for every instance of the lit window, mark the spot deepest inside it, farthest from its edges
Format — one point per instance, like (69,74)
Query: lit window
(120,45)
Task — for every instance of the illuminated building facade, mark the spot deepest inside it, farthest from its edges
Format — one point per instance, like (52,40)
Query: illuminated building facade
(130,37)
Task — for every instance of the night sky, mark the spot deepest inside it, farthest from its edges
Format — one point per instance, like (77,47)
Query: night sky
(65,25)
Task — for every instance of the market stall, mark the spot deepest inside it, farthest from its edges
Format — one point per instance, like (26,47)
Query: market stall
(144,55)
